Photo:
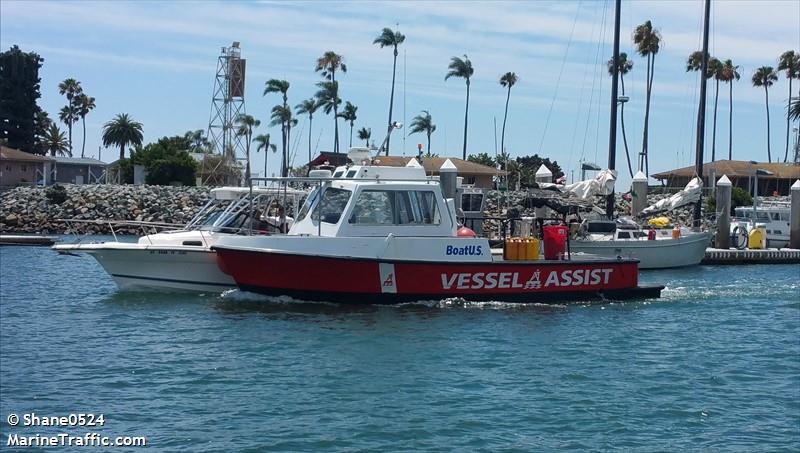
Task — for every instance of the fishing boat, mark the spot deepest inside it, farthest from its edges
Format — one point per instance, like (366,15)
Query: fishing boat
(774,216)
(182,259)
(383,235)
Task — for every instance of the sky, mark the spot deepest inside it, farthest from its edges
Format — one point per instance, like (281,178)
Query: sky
(156,61)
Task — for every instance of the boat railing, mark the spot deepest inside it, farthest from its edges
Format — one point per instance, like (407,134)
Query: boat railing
(144,227)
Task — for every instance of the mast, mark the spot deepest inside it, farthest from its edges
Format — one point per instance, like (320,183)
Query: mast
(701,115)
(612,136)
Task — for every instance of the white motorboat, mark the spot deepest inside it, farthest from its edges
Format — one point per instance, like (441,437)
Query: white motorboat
(182,259)
(774,216)
(655,249)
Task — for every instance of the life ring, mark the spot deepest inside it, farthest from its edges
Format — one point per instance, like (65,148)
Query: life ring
(739,238)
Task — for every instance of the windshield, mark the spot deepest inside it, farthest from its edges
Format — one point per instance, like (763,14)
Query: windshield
(331,206)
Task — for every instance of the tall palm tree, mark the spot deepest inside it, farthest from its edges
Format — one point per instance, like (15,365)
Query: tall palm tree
(263,144)
(85,105)
(789,62)
(70,88)
(765,76)
(244,128)
(349,114)
(280,86)
(389,38)
(624,66)
(122,131)
(730,73)
(327,65)
(462,69)
(507,80)
(364,134)
(55,141)
(648,42)
(715,71)
(328,98)
(309,106)
(423,123)
(794,108)
(283,116)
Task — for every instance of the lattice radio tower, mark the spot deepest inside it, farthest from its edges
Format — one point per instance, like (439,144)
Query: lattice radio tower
(226,105)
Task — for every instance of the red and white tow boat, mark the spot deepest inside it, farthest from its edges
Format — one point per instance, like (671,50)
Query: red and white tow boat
(383,235)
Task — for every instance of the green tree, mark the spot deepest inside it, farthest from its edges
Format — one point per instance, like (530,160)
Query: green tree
(21,119)
(349,115)
(197,141)
(730,73)
(789,62)
(281,86)
(794,109)
(309,107)
(462,69)
(327,65)
(263,144)
(423,123)
(364,134)
(283,115)
(507,80)
(71,88)
(85,105)
(483,159)
(55,142)
(765,76)
(715,71)
(528,165)
(166,161)
(122,131)
(244,128)
(648,42)
(328,98)
(389,38)
(624,66)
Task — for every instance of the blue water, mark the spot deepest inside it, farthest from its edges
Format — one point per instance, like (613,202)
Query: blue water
(713,365)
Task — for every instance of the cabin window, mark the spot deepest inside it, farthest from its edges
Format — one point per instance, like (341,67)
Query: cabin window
(471,202)
(624,235)
(351,173)
(338,174)
(762,216)
(396,207)
(331,205)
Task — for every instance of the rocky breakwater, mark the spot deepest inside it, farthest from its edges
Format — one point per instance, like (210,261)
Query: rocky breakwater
(38,210)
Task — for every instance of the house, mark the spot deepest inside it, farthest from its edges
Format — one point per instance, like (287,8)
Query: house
(78,170)
(479,175)
(779,179)
(19,168)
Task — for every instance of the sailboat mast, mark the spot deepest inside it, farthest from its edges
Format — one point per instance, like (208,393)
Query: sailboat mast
(701,114)
(612,135)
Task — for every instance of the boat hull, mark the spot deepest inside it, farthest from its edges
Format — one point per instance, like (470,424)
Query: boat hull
(159,268)
(657,254)
(372,281)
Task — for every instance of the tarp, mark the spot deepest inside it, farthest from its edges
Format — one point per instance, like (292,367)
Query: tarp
(689,194)
(602,184)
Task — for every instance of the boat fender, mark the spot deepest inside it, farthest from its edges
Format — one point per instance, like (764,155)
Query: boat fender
(651,234)
(465,232)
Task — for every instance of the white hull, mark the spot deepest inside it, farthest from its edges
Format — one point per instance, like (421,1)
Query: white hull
(136,267)
(687,250)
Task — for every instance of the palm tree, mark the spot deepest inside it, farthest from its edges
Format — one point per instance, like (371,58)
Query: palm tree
(70,88)
(283,116)
(364,134)
(765,76)
(648,42)
(715,71)
(794,108)
(423,123)
(262,142)
(55,141)
(198,142)
(280,86)
(624,66)
(327,65)
(730,73)
(462,69)
(85,105)
(328,98)
(349,114)
(244,128)
(508,80)
(122,131)
(790,62)
(389,38)
(308,106)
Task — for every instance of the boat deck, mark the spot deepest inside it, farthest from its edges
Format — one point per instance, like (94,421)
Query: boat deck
(27,239)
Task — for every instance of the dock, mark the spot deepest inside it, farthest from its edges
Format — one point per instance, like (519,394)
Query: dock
(27,239)
(762,256)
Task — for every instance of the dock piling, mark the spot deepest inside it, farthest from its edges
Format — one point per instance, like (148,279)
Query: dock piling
(723,203)
(794,223)
(638,193)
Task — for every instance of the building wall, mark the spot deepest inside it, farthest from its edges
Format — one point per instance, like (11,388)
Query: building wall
(14,173)
(67,174)
(483,181)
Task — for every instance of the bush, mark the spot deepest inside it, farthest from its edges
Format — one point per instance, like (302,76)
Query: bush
(739,197)
(56,194)
(166,161)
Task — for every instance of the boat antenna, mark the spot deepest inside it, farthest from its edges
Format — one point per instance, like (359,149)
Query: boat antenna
(612,136)
(701,115)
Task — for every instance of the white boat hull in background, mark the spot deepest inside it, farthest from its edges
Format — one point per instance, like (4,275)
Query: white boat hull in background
(665,253)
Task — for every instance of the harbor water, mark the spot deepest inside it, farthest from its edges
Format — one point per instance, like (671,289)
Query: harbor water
(712,365)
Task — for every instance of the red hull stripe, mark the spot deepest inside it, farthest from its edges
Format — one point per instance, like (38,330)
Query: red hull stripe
(288,274)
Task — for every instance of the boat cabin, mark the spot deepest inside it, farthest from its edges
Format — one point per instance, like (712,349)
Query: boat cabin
(363,200)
